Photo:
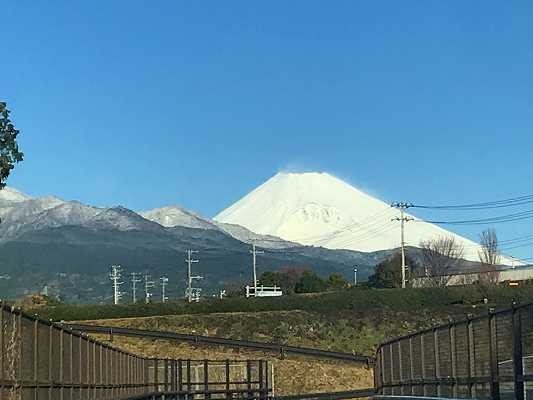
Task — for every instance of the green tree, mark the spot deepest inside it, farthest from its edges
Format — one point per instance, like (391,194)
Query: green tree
(310,283)
(337,281)
(9,150)
(388,273)
(285,278)
(269,278)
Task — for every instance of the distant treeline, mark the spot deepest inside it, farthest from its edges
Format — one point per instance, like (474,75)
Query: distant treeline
(354,298)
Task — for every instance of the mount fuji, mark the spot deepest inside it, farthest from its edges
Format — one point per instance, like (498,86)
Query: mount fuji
(319,209)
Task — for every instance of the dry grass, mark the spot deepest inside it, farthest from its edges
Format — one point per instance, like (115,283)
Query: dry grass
(357,332)
(296,375)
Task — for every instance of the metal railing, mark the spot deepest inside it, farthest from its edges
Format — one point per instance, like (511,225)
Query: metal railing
(350,394)
(42,360)
(280,349)
(488,357)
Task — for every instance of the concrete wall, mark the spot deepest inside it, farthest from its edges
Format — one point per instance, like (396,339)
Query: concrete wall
(508,274)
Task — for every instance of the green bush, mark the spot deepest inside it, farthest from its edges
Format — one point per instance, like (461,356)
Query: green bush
(355,298)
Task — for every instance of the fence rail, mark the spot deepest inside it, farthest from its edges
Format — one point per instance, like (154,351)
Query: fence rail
(213,340)
(41,360)
(488,357)
(349,394)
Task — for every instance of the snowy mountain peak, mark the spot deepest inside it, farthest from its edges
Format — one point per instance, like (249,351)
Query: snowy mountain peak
(321,210)
(295,206)
(10,195)
(176,216)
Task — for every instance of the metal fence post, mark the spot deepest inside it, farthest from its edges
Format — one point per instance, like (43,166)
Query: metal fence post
(35,334)
(94,381)
(173,375)
(206,379)
(382,369)
(50,359)
(111,374)
(411,366)
(227,378)
(437,360)
(61,363)
(267,389)
(180,376)
(518,355)
(453,358)
(249,378)
(400,366)
(145,374)
(391,354)
(156,374)
(471,356)
(1,344)
(260,376)
(80,377)
(71,364)
(165,371)
(423,363)
(189,377)
(493,357)
(20,349)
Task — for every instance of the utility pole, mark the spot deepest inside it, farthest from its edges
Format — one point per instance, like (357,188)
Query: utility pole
(190,277)
(355,276)
(115,276)
(164,283)
(148,284)
(254,265)
(135,278)
(403,219)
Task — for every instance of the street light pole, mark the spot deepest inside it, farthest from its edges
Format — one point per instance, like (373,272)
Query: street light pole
(355,276)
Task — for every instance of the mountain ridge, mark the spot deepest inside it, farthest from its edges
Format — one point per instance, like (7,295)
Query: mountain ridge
(67,247)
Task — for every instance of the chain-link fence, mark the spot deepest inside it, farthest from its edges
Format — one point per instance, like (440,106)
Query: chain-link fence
(488,357)
(46,361)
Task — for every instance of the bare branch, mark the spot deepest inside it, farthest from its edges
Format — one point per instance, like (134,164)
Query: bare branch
(489,257)
(440,257)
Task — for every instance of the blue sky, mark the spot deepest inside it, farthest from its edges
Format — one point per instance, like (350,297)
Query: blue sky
(196,103)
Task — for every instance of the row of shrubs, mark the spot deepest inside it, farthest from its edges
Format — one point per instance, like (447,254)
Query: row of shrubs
(359,298)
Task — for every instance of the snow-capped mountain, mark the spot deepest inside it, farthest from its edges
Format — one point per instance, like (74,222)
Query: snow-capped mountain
(21,214)
(9,195)
(247,236)
(173,216)
(321,210)
(176,216)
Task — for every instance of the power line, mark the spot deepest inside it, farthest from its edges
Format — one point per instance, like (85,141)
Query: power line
(515,201)
(507,241)
(366,236)
(359,225)
(519,216)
